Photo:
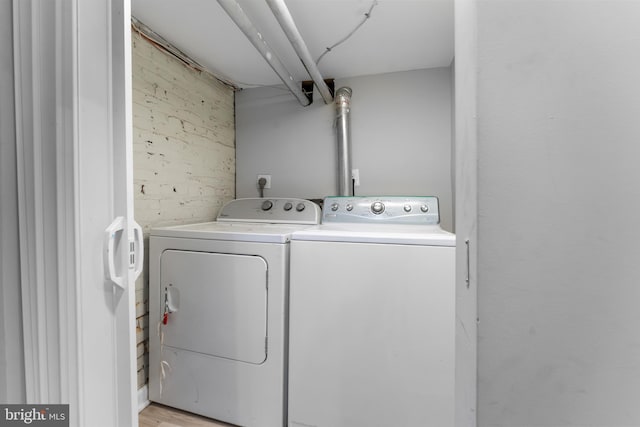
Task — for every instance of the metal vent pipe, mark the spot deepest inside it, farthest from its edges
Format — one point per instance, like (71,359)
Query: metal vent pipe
(343,134)
(243,22)
(282,14)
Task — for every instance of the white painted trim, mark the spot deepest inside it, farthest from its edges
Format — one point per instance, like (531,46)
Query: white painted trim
(71,360)
(122,128)
(143,397)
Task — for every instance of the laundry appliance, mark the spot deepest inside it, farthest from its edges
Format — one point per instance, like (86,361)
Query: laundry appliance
(372,316)
(218,311)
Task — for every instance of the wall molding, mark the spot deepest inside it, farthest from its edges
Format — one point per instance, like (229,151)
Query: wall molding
(143,397)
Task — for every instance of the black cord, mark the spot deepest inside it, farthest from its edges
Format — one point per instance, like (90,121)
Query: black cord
(261,183)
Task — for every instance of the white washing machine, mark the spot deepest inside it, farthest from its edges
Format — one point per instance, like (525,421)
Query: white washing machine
(372,316)
(218,311)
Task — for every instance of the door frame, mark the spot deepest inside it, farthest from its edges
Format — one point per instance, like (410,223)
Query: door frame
(72,65)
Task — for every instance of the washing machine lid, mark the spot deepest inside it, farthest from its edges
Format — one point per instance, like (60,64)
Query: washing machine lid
(241,231)
(425,235)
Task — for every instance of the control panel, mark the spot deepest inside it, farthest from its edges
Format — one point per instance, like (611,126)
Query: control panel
(388,209)
(276,211)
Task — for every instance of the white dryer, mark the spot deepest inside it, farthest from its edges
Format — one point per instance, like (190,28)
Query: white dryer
(372,316)
(218,311)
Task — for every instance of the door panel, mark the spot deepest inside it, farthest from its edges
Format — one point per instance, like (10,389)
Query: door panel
(218,303)
(73,145)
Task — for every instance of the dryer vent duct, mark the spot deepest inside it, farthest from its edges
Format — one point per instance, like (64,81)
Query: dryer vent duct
(343,134)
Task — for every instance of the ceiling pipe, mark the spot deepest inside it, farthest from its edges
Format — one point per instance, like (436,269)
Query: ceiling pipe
(243,22)
(282,14)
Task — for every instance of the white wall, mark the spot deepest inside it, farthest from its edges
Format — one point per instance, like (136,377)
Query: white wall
(559,203)
(12,383)
(401,136)
(183,153)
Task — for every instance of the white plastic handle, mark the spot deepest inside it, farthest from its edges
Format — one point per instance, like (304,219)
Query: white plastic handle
(109,251)
(138,239)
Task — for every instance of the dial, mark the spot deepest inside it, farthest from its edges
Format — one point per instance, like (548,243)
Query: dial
(334,207)
(407,208)
(424,208)
(266,205)
(300,207)
(377,207)
(288,206)
(349,207)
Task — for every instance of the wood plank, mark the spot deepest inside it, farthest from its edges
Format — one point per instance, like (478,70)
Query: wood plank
(156,415)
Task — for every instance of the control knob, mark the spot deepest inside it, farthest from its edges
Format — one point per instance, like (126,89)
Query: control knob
(377,207)
(266,205)
(424,208)
(334,207)
(300,207)
(288,206)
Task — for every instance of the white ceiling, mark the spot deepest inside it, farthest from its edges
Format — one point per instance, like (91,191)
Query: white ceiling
(400,35)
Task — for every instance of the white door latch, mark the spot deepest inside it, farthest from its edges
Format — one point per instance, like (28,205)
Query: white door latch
(112,234)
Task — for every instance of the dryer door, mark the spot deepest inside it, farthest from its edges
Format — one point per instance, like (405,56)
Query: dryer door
(218,303)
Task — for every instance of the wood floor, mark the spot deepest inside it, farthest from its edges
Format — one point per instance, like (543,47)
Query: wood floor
(156,415)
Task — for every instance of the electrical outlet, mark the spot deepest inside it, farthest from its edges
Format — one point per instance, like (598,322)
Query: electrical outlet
(355,176)
(267,177)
